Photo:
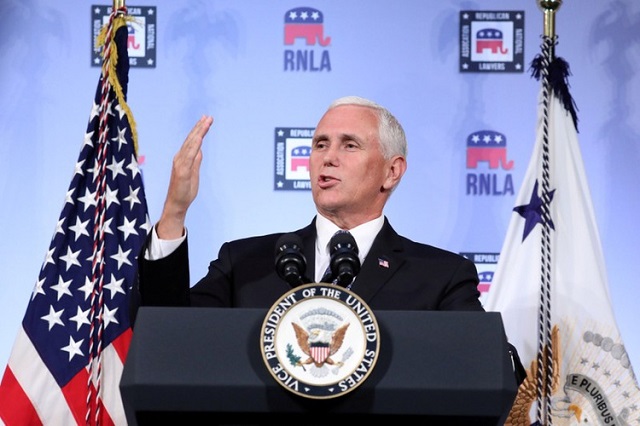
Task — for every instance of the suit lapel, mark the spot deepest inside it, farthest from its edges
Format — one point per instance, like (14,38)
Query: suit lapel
(308,235)
(384,258)
(382,261)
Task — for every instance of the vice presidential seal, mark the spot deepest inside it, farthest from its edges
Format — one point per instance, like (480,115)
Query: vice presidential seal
(320,341)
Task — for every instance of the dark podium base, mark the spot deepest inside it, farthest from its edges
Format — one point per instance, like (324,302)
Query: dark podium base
(204,366)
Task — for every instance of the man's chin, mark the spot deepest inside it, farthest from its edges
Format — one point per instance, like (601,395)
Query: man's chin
(327,206)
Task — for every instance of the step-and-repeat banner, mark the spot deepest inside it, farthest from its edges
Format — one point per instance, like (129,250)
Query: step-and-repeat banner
(455,73)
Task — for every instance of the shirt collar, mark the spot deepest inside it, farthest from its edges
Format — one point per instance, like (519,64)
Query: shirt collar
(363,234)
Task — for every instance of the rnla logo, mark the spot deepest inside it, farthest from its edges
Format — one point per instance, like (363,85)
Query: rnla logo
(491,41)
(305,26)
(488,148)
(292,150)
(486,264)
(141,42)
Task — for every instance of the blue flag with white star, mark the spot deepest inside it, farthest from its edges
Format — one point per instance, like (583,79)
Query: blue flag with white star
(67,360)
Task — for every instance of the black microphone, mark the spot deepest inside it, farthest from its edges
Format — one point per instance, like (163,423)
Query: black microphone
(290,262)
(344,262)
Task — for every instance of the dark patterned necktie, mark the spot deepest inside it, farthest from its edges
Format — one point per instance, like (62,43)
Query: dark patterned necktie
(329,276)
(326,277)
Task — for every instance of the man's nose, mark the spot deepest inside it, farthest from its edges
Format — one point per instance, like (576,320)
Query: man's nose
(330,155)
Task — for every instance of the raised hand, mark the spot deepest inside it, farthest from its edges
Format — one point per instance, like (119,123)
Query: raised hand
(184,182)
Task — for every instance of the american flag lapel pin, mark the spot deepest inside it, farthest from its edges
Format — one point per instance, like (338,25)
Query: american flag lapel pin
(384,263)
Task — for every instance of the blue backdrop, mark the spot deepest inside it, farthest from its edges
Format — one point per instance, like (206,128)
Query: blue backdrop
(232,59)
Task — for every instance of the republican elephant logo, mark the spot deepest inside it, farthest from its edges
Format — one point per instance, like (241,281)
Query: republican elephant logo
(487,146)
(300,158)
(492,39)
(306,23)
(132,43)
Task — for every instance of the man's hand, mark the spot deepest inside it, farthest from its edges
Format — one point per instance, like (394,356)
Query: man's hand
(183,186)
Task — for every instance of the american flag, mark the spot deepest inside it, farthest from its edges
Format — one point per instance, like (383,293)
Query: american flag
(383,262)
(66,362)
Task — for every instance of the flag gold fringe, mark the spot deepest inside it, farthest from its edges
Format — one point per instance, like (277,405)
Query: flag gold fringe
(118,21)
(521,409)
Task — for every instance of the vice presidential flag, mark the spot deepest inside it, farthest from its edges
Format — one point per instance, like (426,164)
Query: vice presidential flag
(551,286)
(66,363)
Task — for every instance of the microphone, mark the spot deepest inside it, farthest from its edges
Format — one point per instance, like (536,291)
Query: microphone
(290,262)
(344,262)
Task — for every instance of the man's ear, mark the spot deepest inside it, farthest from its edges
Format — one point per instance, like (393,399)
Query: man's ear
(395,171)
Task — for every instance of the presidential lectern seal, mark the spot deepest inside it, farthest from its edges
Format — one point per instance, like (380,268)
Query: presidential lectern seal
(320,341)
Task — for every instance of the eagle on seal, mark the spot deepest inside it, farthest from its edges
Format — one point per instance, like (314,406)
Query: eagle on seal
(319,344)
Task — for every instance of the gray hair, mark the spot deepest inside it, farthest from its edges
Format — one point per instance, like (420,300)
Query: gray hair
(393,140)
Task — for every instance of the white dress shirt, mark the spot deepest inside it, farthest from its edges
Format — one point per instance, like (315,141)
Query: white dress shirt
(363,234)
(159,249)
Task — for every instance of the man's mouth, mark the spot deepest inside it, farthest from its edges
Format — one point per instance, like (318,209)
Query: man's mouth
(325,181)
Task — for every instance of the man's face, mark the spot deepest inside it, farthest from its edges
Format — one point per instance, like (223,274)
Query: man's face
(347,169)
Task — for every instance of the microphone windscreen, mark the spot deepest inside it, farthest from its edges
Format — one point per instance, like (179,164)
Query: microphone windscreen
(290,262)
(288,241)
(342,239)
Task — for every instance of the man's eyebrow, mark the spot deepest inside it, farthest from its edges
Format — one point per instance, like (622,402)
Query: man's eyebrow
(342,137)
(349,136)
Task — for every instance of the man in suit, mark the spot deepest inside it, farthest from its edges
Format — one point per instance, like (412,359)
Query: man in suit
(357,159)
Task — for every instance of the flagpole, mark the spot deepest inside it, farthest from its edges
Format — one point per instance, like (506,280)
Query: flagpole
(117,4)
(545,359)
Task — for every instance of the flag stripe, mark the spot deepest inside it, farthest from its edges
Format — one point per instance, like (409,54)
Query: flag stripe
(37,381)
(121,344)
(112,372)
(75,394)
(15,406)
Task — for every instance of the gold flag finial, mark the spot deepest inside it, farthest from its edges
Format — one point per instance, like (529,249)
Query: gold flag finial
(117,4)
(549,7)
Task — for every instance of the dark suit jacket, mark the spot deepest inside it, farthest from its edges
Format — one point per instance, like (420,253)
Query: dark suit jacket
(414,277)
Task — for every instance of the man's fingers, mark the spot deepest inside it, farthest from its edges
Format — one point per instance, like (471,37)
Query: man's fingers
(193,143)
(204,124)
(199,131)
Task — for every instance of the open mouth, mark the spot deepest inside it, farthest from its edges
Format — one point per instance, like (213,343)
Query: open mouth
(325,181)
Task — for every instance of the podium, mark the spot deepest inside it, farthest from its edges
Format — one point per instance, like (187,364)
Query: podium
(204,366)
